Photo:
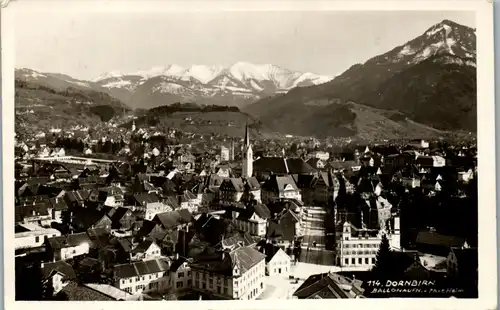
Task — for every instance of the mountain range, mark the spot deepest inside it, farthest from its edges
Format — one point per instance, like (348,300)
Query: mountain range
(430,80)
(235,85)
(424,87)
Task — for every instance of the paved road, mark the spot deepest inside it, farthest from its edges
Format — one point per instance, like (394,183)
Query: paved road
(314,232)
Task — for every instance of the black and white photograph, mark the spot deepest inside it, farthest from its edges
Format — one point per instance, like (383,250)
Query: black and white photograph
(270,155)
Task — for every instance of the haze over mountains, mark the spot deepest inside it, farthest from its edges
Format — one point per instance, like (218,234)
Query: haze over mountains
(420,88)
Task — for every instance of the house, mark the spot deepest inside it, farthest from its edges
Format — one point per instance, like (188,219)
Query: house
(146,250)
(30,235)
(189,201)
(144,276)
(462,265)
(58,152)
(240,239)
(147,205)
(180,274)
(316,163)
(68,246)
(432,242)
(230,274)
(326,187)
(419,144)
(223,171)
(36,212)
(233,189)
(319,155)
(57,275)
(305,183)
(58,207)
(329,286)
(465,176)
(278,187)
(285,227)
(224,153)
(413,181)
(122,218)
(430,161)
(252,219)
(277,261)
(75,291)
(177,219)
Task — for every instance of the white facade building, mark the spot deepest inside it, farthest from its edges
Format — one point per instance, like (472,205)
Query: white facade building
(238,274)
(32,236)
(357,251)
(145,276)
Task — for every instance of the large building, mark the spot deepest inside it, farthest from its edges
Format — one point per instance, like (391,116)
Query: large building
(357,248)
(230,274)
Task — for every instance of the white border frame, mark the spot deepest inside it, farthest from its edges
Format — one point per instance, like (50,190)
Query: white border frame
(486,145)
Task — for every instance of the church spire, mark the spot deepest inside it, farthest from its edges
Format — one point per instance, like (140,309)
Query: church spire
(247,136)
(247,169)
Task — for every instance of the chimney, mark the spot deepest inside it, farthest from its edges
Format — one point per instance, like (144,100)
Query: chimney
(176,255)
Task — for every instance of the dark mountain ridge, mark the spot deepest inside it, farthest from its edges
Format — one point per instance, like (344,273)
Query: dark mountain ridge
(432,74)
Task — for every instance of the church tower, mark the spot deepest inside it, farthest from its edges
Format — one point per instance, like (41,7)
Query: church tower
(247,168)
(133,126)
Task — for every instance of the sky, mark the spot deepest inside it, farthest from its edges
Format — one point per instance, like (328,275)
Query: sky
(87,44)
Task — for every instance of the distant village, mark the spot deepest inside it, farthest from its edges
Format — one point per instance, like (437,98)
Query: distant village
(134,213)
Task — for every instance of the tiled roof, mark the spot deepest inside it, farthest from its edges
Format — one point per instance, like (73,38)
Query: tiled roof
(280,165)
(327,285)
(75,292)
(59,266)
(174,218)
(436,239)
(141,268)
(145,198)
(143,246)
(244,239)
(245,258)
(222,262)
(260,209)
(67,241)
(278,183)
(58,204)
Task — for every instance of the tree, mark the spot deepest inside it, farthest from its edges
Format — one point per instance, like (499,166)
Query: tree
(383,268)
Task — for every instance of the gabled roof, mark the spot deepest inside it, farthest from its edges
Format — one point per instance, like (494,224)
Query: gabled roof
(436,239)
(68,241)
(279,183)
(270,250)
(58,204)
(143,246)
(145,198)
(280,165)
(76,292)
(140,268)
(260,209)
(60,266)
(243,239)
(174,218)
(328,285)
(223,263)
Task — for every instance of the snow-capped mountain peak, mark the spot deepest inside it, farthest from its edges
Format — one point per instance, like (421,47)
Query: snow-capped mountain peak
(444,38)
(108,75)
